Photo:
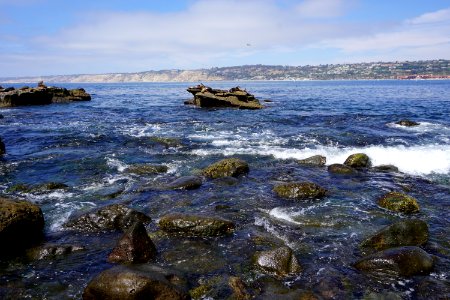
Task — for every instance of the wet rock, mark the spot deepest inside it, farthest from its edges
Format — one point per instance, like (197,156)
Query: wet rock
(300,190)
(21,224)
(135,246)
(236,97)
(194,225)
(358,160)
(62,95)
(146,169)
(239,288)
(2,147)
(385,168)
(382,296)
(399,202)
(51,251)
(432,288)
(403,261)
(49,186)
(403,233)
(226,181)
(112,217)
(167,142)
(226,167)
(340,169)
(128,284)
(280,261)
(407,123)
(316,160)
(185,183)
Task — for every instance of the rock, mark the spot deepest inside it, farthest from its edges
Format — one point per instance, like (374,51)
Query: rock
(381,296)
(50,251)
(407,123)
(403,261)
(236,97)
(124,283)
(135,246)
(167,142)
(316,160)
(40,96)
(146,169)
(358,160)
(2,147)
(403,233)
(21,224)
(385,168)
(399,202)
(280,261)
(240,291)
(300,190)
(194,225)
(185,183)
(112,217)
(340,169)
(226,167)
(49,186)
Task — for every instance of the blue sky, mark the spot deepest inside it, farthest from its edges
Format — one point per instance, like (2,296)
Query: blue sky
(55,37)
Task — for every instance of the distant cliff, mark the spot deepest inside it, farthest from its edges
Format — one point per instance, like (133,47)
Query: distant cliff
(430,69)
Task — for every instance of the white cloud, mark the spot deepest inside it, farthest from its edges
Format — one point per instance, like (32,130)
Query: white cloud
(323,8)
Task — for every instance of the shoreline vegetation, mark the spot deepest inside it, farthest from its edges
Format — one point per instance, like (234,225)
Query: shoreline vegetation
(406,70)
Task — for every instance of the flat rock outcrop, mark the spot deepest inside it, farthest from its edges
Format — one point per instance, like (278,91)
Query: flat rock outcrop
(41,95)
(205,96)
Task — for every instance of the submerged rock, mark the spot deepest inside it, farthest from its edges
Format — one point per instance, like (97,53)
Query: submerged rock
(239,288)
(403,233)
(186,183)
(2,147)
(280,261)
(51,251)
(316,160)
(300,190)
(407,123)
(403,261)
(385,168)
(43,187)
(236,97)
(21,224)
(193,225)
(129,284)
(340,169)
(399,202)
(146,169)
(358,160)
(112,217)
(167,142)
(135,246)
(226,167)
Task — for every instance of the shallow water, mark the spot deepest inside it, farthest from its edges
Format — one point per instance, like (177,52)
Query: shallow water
(88,146)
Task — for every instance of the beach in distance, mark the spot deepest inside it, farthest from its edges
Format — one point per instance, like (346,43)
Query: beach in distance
(320,193)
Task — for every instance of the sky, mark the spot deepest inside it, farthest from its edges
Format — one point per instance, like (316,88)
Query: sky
(58,37)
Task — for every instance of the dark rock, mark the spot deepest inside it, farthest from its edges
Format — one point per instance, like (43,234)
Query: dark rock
(432,288)
(358,160)
(112,217)
(385,168)
(316,160)
(407,123)
(2,147)
(300,190)
(403,261)
(340,169)
(167,142)
(280,261)
(382,296)
(403,233)
(226,167)
(193,225)
(146,169)
(19,188)
(236,97)
(239,288)
(51,251)
(399,202)
(128,284)
(2,116)
(135,246)
(21,224)
(50,186)
(186,183)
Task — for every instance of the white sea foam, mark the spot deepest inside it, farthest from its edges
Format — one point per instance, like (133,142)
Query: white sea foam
(115,163)
(63,211)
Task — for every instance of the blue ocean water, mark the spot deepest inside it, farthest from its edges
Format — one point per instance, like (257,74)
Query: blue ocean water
(89,145)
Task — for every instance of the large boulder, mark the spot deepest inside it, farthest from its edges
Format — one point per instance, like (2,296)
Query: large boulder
(194,225)
(112,217)
(316,160)
(403,233)
(403,261)
(185,183)
(2,147)
(358,160)
(124,283)
(135,246)
(21,224)
(280,261)
(300,190)
(226,167)
(399,202)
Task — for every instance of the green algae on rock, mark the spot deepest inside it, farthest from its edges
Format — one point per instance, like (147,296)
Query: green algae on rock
(399,202)
(316,160)
(358,160)
(226,167)
(146,169)
(300,190)
(340,169)
(194,225)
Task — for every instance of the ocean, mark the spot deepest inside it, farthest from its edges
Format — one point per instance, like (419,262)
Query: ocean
(88,146)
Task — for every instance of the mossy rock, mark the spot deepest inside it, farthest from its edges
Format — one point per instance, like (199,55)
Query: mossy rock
(146,169)
(358,160)
(300,190)
(385,168)
(316,160)
(200,292)
(167,142)
(194,225)
(226,167)
(399,202)
(44,187)
(19,188)
(340,169)
(280,261)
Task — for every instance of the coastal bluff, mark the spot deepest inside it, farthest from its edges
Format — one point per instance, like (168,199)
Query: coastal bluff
(41,95)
